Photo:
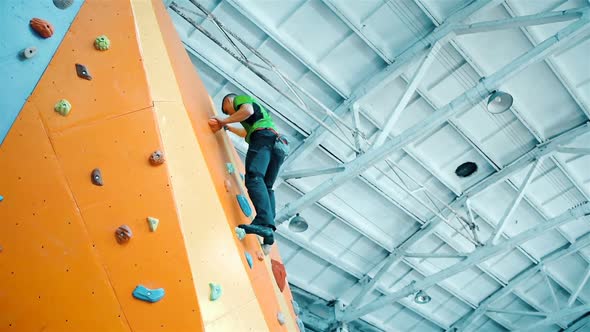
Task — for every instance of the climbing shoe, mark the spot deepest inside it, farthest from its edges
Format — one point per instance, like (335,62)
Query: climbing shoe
(269,240)
(258,230)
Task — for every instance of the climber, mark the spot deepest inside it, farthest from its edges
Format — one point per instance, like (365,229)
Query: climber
(267,150)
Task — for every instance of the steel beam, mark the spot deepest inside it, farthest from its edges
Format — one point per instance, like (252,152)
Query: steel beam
(405,99)
(433,255)
(479,255)
(389,73)
(462,102)
(556,317)
(581,285)
(518,312)
(581,325)
(551,288)
(510,211)
(564,149)
(302,173)
(520,21)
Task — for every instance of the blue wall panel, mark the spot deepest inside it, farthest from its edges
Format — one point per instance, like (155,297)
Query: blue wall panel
(19,77)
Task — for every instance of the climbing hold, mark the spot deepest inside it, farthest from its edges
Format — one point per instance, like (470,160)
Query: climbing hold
(260,255)
(215,291)
(96,177)
(83,72)
(243,177)
(149,295)
(240,233)
(157,158)
(29,52)
(281,318)
(1,248)
(42,27)
(266,249)
(123,234)
(244,205)
(296,308)
(249,259)
(278,270)
(63,4)
(227,185)
(63,107)
(300,325)
(153,223)
(102,43)
(230,168)
(1,198)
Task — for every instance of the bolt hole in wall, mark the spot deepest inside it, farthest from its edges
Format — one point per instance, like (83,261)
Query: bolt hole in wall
(466,169)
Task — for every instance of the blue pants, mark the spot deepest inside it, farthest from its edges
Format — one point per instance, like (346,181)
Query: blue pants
(262,168)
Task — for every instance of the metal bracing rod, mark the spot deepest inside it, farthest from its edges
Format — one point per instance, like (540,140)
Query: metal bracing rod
(374,82)
(564,149)
(302,173)
(405,99)
(462,102)
(520,21)
(551,288)
(510,211)
(357,123)
(248,65)
(523,276)
(479,255)
(433,255)
(518,312)
(556,317)
(581,285)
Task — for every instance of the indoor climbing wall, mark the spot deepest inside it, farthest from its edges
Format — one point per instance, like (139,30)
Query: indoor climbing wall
(118,205)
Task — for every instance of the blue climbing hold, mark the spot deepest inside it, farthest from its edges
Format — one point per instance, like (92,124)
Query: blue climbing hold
(1,198)
(230,168)
(249,259)
(215,291)
(243,177)
(148,295)
(240,233)
(244,205)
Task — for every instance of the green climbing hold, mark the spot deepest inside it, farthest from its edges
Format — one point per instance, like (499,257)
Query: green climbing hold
(153,222)
(215,291)
(102,43)
(63,107)
(240,233)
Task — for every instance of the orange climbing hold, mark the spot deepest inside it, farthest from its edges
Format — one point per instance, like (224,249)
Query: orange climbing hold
(42,27)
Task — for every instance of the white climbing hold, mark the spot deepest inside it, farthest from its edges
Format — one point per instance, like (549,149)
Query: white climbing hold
(153,223)
(281,318)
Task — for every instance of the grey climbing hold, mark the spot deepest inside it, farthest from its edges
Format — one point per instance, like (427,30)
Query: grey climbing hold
(266,249)
(149,295)
(63,4)
(296,308)
(63,107)
(153,223)
(249,259)
(82,72)
(29,52)
(230,168)
(96,177)
(241,234)
(215,291)
(281,318)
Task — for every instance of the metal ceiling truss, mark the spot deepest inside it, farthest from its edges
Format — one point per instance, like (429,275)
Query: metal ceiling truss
(552,16)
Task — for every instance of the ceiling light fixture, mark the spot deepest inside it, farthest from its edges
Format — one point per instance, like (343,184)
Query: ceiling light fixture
(499,102)
(422,298)
(298,224)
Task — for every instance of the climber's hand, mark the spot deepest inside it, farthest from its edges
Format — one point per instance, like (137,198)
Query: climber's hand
(215,124)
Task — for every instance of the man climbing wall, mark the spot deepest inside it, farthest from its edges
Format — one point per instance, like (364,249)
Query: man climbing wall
(267,150)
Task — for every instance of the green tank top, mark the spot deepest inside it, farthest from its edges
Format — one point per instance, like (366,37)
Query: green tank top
(259,119)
